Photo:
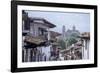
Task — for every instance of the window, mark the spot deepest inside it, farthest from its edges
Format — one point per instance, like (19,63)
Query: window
(42,31)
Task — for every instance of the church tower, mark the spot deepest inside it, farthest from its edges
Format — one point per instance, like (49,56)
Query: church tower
(74,28)
(63,31)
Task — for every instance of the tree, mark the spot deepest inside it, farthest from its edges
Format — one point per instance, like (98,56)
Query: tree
(62,44)
(71,41)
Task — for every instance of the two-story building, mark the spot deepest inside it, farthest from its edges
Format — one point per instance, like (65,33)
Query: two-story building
(36,38)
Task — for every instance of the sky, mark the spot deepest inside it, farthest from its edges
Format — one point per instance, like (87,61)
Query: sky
(69,19)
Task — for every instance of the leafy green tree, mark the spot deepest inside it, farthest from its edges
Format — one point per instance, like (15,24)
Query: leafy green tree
(74,35)
(62,44)
(71,41)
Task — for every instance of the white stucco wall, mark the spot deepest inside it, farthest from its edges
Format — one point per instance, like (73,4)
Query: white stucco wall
(85,51)
(46,51)
(34,28)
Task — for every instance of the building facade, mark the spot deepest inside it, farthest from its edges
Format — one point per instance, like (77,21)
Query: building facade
(38,40)
(86,45)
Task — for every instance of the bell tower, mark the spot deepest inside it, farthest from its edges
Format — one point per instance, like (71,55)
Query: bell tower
(74,28)
(63,31)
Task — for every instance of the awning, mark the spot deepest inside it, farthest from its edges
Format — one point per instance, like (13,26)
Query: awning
(34,40)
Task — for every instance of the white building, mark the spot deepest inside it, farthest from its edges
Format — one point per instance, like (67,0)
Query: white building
(86,45)
(36,35)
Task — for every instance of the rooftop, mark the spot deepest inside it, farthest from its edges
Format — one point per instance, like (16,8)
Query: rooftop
(54,34)
(85,35)
(42,21)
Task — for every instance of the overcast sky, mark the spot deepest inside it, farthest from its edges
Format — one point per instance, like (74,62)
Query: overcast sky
(80,20)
